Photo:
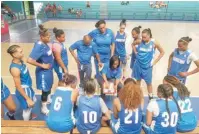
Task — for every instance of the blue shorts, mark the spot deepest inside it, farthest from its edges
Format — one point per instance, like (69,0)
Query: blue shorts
(59,71)
(29,92)
(187,125)
(60,126)
(148,130)
(83,131)
(44,80)
(123,62)
(5,93)
(141,73)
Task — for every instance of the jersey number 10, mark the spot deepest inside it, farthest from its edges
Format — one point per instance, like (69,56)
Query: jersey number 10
(90,117)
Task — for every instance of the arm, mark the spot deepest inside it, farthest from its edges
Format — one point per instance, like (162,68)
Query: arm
(57,55)
(37,64)
(112,49)
(105,80)
(170,60)
(16,76)
(196,70)
(75,95)
(115,107)
(134,44)
(71,49)
(160,49)
(105,109)
(149,116)
(113,44)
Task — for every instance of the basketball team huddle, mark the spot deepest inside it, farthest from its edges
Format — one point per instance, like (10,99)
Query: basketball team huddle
(75,103)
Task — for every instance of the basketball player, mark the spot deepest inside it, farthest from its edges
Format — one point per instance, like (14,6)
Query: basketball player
(60,53)
(180,60)
(42,57)
(188,120)
(144,62)
(162,114)
(61,117)
(7,100)
(23,81)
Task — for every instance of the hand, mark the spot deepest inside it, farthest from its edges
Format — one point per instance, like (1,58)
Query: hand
(77,61)
(107,85)
(65,71)
(127,57)
(45,66)
(30,103)
(115,87)
(100,64)
(183,74)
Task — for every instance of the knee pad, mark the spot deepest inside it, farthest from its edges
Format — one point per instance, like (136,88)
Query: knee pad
(26,114)
(44,96)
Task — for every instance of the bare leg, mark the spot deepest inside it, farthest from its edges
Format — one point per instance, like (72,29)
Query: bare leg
(9,103)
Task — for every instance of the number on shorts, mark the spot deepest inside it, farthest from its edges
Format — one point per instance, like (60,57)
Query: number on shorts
(57,104)
(127,119)
(90,117)
(185,106)
(173,120)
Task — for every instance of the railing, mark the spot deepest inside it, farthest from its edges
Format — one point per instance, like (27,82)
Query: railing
(182,16)
(116,15)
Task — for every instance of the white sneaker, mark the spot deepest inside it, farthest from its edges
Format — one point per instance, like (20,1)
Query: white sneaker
(49,100)
(44,109)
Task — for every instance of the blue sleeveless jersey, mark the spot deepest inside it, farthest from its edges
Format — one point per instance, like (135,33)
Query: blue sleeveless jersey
(89,114)
(5,92)
(64,55)
(129,121)
(120,45)
(61,109)
(188,120)
(145,54)
(24,73)
(42,53)
(165,123)
(179,64)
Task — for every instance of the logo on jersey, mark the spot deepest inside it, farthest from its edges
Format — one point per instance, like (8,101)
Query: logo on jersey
(178,60)
(49,52)
(25,71)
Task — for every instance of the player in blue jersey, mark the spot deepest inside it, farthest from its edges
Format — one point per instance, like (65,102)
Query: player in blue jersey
(7,100)
(60,53)
(61,116)
(85,50)
(42,57)
(104,40)
(145,61)
(22,80)
(120,47)
(90,110)
(127,109)
(180,60)
(111,72)
(188,120)
(163,113)
(136,36)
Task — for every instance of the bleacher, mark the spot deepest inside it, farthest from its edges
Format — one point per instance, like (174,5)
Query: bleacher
(39,127)
(138,10)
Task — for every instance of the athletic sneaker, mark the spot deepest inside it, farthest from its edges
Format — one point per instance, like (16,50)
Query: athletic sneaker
(44,109)
(33,116)
(11,117)
(49,100)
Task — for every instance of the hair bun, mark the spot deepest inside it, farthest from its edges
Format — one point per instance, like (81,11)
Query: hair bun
(123,20)
(149,29)
(139,27)
(190,39)
(41,27)
(55,30)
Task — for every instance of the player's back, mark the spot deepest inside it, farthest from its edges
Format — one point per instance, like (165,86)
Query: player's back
(61,107)
(129,120)
(165,123)
(188,120)
(89,113)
